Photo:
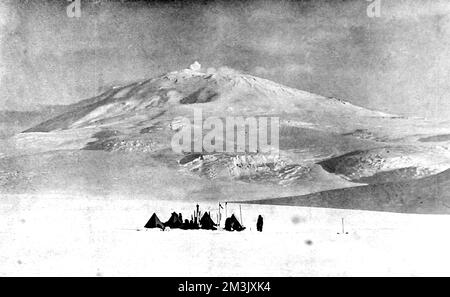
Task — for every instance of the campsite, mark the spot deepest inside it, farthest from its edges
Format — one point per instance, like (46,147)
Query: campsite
(198,220)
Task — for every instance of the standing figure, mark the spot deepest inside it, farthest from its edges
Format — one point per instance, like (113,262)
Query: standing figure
(259,223)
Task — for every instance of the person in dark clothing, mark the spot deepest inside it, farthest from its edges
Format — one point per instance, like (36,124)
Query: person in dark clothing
(228,224)
(232,224)
(186,225)
(259,223)
(207,223)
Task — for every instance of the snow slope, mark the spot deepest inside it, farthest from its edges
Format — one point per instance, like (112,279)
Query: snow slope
(426,195)
(230,93)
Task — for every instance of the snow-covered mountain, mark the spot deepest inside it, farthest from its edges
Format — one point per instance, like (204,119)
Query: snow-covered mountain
(223,92)
(325,143)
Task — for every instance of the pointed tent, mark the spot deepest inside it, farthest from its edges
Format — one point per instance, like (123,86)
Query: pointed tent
(207,223)
(154,222)
(232,224)
(174,221)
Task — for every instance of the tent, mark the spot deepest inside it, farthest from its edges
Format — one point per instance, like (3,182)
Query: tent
(174,221)
(207,223)
(232,224)
(154,222)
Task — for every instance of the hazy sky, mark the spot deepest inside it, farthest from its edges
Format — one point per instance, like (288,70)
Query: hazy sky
(398,62)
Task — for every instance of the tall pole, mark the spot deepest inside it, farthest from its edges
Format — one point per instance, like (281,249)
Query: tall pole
(226,215)
(240,210)
(198,212)
(343,226)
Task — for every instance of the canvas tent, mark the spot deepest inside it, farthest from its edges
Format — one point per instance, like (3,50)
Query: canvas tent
(174,221)
(154,222)
(232,224)
(207,223)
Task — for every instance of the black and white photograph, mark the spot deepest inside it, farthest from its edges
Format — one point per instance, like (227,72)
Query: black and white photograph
(220,139)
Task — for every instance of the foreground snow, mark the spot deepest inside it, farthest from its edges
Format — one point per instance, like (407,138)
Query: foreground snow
(53,235)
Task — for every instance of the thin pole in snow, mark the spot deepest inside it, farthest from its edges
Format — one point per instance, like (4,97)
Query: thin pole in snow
(198,211)
(343,227)
(240,210)
(226,215)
